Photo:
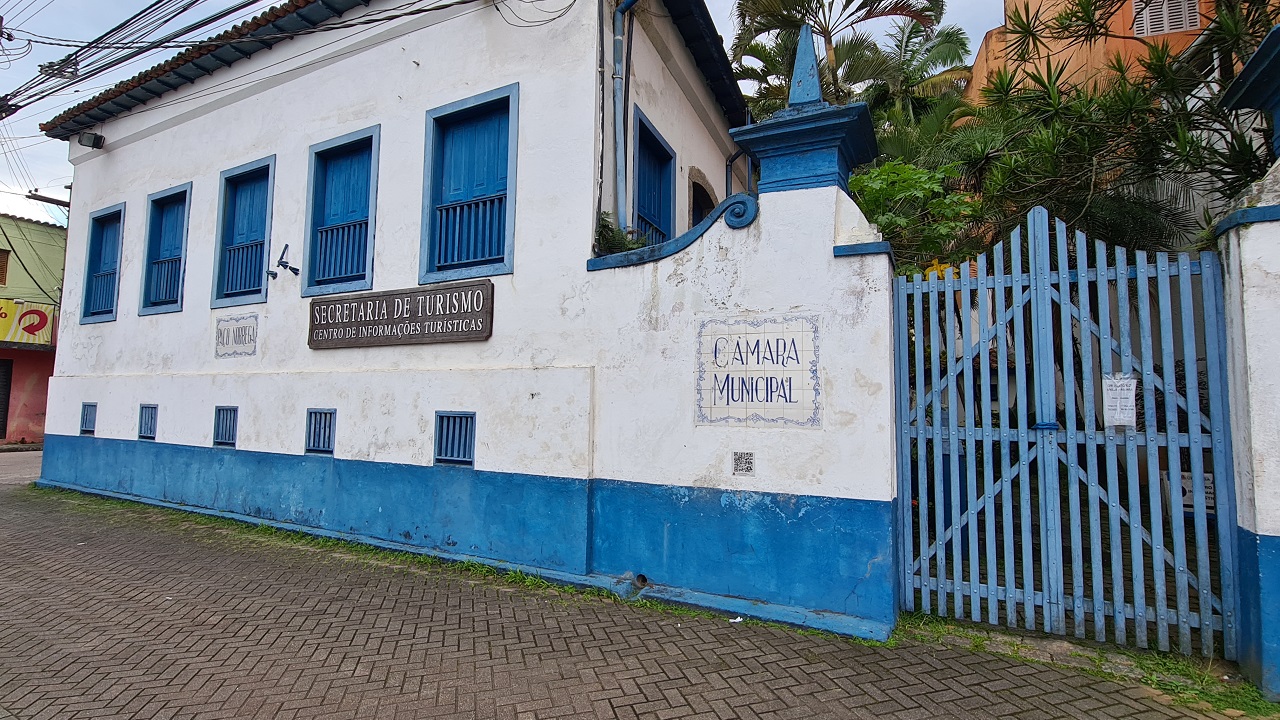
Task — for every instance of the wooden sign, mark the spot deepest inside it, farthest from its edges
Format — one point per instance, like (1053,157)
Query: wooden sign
(448,313)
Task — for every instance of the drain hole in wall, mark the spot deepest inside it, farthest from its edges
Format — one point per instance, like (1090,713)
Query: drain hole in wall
(640,582)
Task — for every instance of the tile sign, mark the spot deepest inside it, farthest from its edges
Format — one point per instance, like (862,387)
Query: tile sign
(443,313)
(760,372)
(236,336)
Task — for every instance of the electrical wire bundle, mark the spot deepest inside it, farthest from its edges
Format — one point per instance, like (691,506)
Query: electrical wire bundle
(131,39)
(117,46)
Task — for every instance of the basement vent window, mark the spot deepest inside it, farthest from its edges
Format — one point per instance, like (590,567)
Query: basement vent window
(456,438)
(88,418)
(320,429)
(744,463)
(147,421)
(225,420)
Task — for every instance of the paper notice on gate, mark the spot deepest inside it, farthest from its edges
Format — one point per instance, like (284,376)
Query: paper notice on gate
(1119,404)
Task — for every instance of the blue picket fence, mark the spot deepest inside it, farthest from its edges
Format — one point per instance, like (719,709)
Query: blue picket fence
(1028,498)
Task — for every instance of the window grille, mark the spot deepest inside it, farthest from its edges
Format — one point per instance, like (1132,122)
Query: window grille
(4,267)
(88,418)
(147,422)
(320,430)
(456,438)
(225,420)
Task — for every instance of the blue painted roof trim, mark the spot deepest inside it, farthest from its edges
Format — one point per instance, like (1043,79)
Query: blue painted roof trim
(694,22)
(1258,84)
(691,18)
(868,248)
(1257,87)
(1247,216)
(739,210)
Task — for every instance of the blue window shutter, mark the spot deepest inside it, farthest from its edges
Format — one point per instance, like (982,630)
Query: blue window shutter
(346,185)
(244,234)
(104,253)
(343,178)
(654,187)
(471,189)
(168,227)
(248,221)
(106,243)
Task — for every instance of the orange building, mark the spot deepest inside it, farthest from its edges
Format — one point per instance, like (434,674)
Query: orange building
(1174,22)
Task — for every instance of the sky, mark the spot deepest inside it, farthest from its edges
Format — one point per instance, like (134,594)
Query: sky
(41,163)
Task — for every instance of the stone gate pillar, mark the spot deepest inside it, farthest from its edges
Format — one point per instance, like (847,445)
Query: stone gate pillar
(1249,239)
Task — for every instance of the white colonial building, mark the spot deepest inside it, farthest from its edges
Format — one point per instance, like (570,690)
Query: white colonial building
(356,278)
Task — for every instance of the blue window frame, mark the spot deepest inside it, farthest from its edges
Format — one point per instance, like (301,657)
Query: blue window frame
(339,248)
(456,438)
(147,421)
(468,195)
(102,265)
(166,249)
(321,427)
(88,418)
(225,421)
(655,182)
(244,234)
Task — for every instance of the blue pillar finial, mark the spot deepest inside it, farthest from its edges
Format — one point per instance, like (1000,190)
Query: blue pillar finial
(809,144)
(805,87)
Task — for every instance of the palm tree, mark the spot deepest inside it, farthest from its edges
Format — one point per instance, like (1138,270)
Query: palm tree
(768,63)
(915,67)
(761,21)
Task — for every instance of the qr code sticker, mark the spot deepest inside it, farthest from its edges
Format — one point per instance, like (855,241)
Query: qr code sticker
(744,463)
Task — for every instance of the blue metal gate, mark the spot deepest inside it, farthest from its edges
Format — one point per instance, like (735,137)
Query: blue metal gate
(1062,432)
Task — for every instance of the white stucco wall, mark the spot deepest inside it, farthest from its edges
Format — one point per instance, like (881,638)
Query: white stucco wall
(668,88)
(586,374)
(1251,265)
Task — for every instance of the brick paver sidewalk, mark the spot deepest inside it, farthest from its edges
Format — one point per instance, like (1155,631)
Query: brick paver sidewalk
(127,613)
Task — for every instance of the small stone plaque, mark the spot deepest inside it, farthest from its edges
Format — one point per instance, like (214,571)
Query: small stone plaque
(236,336)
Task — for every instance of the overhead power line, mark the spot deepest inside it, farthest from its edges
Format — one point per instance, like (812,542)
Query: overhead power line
(372,17)
(106,52)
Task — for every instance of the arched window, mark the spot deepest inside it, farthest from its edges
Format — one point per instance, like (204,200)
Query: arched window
(701,202)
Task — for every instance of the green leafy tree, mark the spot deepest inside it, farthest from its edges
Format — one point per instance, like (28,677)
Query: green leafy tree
(919,212)
(1139,154)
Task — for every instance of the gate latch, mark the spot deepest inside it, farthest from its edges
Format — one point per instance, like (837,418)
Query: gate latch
(1045,426)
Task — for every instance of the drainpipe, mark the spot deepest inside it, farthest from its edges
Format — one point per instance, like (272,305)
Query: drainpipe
(619,132)
(728,172)
(728,169)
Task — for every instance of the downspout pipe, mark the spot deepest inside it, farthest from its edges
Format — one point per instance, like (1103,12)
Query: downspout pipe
(728,172)
(619,131)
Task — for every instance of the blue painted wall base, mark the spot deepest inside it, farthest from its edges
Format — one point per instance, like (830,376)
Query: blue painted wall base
(1259,578)
(822,562)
